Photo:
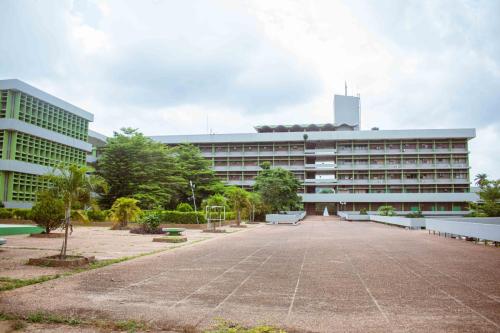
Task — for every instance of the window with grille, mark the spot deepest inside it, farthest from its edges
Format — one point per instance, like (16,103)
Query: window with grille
(37,112)
(32,149)
(25,186)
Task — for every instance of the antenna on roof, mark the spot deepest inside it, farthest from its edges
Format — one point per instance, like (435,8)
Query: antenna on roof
(345,83)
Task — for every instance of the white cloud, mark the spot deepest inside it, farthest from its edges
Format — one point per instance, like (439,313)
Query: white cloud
(163,66)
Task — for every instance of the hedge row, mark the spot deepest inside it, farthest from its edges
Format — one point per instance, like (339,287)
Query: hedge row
(167,216)
(15,213)
(175,217)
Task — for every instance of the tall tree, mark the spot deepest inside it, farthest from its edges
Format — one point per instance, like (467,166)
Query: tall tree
(194,167)
(136,166)
(489,193)
(257,209)
(238,200)
(278,188)
(73,186)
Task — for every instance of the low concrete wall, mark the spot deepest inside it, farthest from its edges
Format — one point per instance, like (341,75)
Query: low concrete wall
(412,223)
(487,231)
(286,218)
(444,214)
(354,216)
(484,220)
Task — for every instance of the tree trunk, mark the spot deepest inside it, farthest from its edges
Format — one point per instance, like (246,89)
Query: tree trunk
(67,218)
(47,230)
(238,220)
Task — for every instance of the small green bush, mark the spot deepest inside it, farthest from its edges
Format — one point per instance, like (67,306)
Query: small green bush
(48,211)
(6,213)
(151,221)
(386,210)
(363,211)
(22,213)
(123,211)
(97,215)
(184,207)
(175,217)
(414,215)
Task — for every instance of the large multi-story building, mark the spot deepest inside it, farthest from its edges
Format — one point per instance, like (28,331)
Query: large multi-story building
(37,133)
(347,169)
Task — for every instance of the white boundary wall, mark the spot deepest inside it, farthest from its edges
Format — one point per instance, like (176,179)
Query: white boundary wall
(489,232)
(287,218)
(412,223)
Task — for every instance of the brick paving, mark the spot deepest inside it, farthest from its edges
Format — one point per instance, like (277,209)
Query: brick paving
(324,275)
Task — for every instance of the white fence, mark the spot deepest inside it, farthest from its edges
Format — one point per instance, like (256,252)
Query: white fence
(487,231)
(290,217)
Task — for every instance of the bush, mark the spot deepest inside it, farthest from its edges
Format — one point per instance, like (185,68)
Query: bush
(414,215)
(98,215)
(150,221)
(363,211)
(386,210)
(184,207)
(21,213)
(123,211)
(6,213)
(175,217)
(48,211)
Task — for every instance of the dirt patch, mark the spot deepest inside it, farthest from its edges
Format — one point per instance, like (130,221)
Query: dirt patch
(57,261)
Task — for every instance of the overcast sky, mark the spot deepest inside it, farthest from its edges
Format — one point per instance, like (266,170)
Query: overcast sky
(173,67)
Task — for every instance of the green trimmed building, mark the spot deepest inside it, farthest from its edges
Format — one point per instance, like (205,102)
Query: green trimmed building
(38,131)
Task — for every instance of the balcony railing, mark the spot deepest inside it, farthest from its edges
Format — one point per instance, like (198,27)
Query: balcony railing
(320,181)
(324,166)
(321,151)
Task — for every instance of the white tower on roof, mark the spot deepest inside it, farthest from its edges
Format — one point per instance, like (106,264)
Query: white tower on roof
(346,110)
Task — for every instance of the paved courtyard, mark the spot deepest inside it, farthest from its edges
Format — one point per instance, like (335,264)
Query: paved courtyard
(90,241)
(322,276)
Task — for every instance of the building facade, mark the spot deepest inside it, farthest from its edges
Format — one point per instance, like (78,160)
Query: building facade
(37,133)
(346,169)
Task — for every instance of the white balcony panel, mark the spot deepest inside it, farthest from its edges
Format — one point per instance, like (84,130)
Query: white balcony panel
(378,166)
(240,182)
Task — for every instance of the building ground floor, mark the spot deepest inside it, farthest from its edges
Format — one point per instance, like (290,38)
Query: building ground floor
(428,203)
(437,208)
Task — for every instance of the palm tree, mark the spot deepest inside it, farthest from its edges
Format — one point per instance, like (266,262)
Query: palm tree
(73,185)
(123,211)
(238,200)
(481,179)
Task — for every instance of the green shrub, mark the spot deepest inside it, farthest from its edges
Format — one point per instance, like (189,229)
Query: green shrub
(123,211)
(48,211)
(386,210)
(363,211)
(21,213)
(97,215)
(414,215)
(175,217)
(151,221)
(184,207)
(6,213)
